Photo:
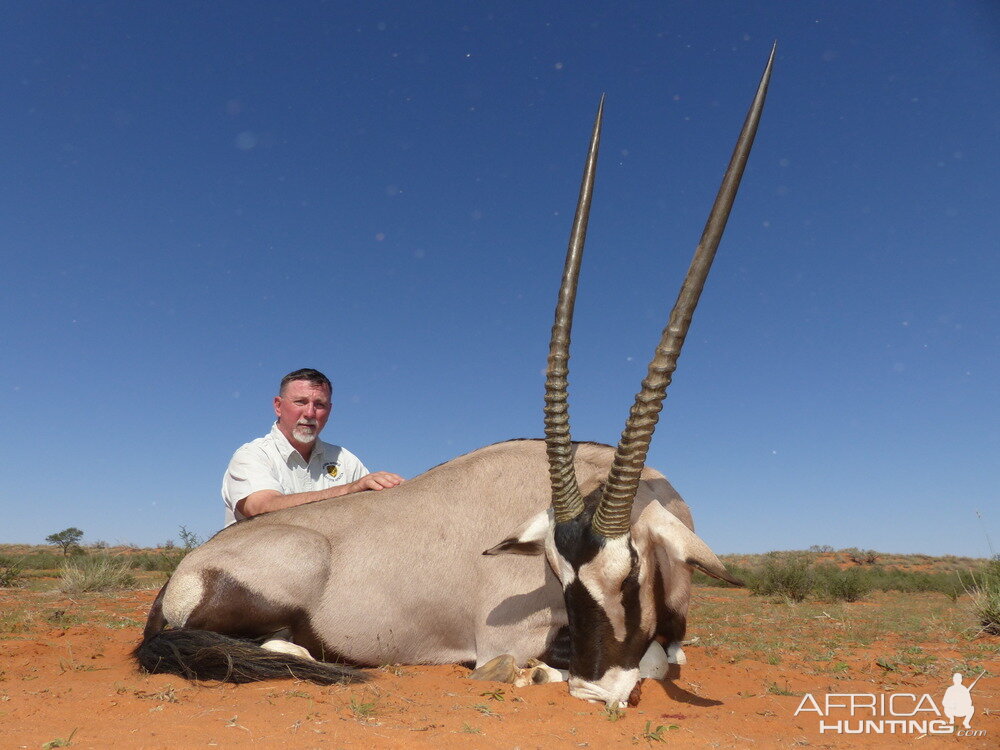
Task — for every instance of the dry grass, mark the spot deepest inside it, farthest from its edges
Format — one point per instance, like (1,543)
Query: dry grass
(985,593)
(96,573)
(840,639)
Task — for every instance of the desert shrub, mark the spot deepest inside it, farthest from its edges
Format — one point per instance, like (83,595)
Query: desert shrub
(951,585)
(11,572)
(821,548)
(894,579)
(788,576)
(167,560)
(861,556)
(189,540)
(163,562)
(991,570)
(985,593)
(909,582)
(986,605)
(848,585)
(42,561)
(796,575)
(169,563)
(96,573)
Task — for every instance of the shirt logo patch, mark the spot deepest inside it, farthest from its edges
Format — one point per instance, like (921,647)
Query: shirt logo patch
(332,469)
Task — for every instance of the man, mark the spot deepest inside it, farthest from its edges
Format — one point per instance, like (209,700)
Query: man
(291,466)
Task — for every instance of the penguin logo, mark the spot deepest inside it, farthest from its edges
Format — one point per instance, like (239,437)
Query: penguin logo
(332,470)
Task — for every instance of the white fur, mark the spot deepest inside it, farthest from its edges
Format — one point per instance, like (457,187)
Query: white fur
(182,596)
(675,654)
(680,542)
(603,576)
(537,528)
(286,647)
(563,570)
(613,689)
(540,528)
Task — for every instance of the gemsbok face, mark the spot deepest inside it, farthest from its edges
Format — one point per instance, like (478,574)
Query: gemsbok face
(605,559)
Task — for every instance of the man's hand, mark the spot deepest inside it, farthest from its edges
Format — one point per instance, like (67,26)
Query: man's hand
(378,480)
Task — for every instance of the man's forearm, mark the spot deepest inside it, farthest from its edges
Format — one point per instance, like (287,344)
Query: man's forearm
(267,501)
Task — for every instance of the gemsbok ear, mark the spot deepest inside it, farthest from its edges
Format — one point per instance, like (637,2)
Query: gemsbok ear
(684,545)
(529,540)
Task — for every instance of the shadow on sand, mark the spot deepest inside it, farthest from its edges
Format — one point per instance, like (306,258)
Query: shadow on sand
(677,693)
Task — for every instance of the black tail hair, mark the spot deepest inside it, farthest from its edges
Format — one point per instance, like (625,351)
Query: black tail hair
(204,655)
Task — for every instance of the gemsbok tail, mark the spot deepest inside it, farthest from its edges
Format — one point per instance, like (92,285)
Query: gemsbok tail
(204,655)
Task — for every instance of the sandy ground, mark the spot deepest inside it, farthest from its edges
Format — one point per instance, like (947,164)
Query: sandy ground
(76,684)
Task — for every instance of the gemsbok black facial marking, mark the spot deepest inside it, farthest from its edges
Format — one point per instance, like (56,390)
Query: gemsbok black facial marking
(596,644)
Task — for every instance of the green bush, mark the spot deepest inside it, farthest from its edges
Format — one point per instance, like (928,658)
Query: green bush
(11,572)
(986,605)
(163,562)
(908,582)
(795,575)
(991,570)
(951,586)
(985,593)
(169,557)
(791,577)
(848,585)
(42,561)
(861,556)
(96,573)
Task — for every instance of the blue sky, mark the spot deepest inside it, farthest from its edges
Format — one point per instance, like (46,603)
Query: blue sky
(199,198)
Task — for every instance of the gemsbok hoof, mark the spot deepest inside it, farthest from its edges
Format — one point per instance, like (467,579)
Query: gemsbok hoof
(536,672)
(501,668)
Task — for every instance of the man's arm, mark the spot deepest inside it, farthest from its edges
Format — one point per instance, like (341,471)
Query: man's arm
(265,501)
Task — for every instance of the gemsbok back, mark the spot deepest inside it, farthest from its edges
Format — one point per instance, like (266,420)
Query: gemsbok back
(573,559)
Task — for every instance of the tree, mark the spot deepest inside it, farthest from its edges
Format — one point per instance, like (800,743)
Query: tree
(67,538)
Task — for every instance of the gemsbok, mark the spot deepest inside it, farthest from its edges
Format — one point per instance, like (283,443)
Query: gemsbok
(572,558)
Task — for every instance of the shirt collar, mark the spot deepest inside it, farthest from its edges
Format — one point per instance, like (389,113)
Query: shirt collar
(285,449)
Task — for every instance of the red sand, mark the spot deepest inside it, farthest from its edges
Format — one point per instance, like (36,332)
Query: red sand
(79,681)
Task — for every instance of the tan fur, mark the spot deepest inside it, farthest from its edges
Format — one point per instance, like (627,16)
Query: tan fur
(398,576)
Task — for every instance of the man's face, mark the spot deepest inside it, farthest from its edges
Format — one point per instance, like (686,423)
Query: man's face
(302,410)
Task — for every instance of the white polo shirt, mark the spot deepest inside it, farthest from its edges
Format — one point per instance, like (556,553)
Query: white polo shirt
(271,463)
